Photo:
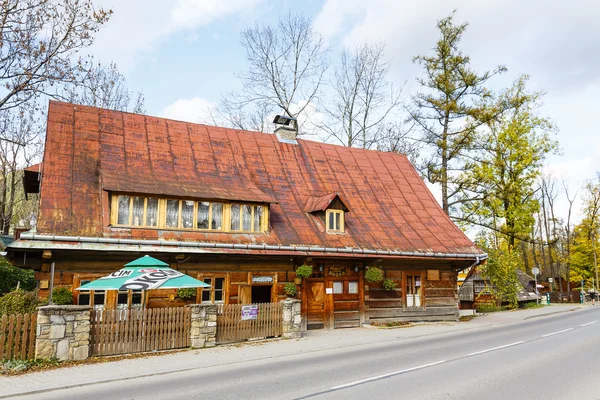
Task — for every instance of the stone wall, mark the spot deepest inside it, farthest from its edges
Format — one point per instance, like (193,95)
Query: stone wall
(292,319)
(203,332)
(63,332)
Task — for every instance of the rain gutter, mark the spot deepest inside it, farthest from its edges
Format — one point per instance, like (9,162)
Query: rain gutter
(236,246)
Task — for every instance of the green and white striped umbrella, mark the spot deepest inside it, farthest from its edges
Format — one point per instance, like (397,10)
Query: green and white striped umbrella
(145,273)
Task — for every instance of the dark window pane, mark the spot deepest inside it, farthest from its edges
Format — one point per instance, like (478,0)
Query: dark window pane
(218,295)
(187,214)
(98,297)
(330,226)
(122,298)
(206,295)
(136,298)
(84,299)
(152,212)
(203,208)
(338,222)
(123,210)
(138,211)
(219,283)
(172,213)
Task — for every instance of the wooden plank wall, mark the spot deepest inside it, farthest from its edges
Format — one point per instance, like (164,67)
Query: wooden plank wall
(17,336)
(440,304)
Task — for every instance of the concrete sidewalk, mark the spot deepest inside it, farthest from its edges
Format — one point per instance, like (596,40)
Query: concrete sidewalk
(312,341)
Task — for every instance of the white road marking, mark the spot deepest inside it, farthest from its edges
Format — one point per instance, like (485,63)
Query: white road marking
(385,375)
(556,333)
(496,348)
(589,323)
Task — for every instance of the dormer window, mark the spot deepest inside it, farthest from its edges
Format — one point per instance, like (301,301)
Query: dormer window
(334,220)
(331,209)
(138,211)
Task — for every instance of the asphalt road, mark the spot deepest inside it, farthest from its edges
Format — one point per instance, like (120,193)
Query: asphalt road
(555,357)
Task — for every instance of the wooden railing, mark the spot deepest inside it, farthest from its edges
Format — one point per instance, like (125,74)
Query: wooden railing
(137,331)
(17,336)
(231,328)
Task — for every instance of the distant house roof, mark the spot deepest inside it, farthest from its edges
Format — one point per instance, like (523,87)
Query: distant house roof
(526,291)
(90,151)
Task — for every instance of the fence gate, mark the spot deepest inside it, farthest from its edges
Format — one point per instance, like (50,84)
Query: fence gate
(17,336)
(259,321)
(137,331)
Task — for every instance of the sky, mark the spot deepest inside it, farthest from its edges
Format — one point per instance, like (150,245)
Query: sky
(183,55)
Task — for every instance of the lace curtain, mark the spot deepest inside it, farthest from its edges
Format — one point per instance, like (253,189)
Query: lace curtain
(172,220)
(235,217)
(217,216)
(203,208)
(138,211)
(151,212)
(187,214)
(123,211)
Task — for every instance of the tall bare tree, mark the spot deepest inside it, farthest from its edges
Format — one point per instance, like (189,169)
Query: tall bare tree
(568,231)
(286,68)
(363,99)
(39,43)
(22,146)
(105,87)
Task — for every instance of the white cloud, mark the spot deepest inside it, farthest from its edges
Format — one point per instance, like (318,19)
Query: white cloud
(195,110)
(138,27)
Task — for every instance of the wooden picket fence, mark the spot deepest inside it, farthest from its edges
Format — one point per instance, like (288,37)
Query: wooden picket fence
(137,331)
(231,328)
(17,336)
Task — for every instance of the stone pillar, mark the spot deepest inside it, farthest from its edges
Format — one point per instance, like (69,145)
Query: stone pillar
(63,332)
(203,332)
(292,319)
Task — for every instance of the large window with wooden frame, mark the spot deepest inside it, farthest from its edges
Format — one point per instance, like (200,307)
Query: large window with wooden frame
(152,212)
(334,220)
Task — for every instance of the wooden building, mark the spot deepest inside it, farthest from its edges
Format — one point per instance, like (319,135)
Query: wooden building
(241,211)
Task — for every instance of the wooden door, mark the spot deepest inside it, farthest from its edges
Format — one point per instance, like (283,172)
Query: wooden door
(315,305)
(245,294)
(414,290)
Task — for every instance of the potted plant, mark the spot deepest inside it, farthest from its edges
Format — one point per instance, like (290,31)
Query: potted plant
(290,289)
(303,271)
(389,284)
(373,275)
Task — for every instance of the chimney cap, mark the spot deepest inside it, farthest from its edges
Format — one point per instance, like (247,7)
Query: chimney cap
(284,120)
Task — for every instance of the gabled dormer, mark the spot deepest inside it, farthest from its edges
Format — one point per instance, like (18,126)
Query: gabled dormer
(331,209)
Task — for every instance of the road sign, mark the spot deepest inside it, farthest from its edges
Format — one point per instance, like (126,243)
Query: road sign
(535,271)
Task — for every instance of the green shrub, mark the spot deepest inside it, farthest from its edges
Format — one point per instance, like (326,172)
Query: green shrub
(290,289)
(10,276)
(18,302)
(62,296)
(186,293)
(531,304)
(304,271)
(489,307)
(389,285)
(374,274)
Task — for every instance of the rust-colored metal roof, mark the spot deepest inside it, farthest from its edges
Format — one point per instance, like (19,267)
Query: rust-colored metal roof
(91,150)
